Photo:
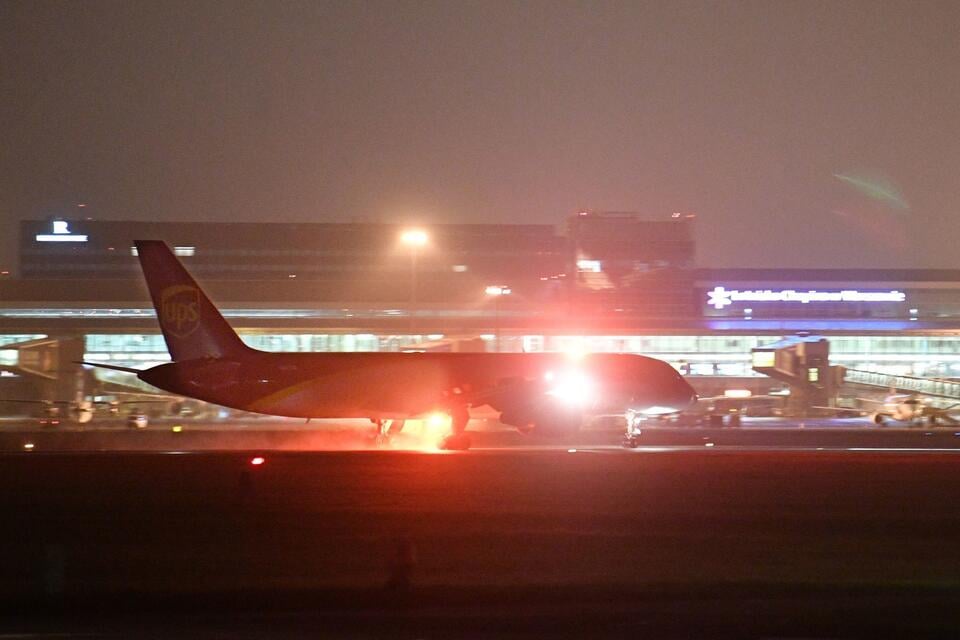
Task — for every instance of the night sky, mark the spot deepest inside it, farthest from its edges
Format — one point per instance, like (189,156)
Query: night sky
(800,133)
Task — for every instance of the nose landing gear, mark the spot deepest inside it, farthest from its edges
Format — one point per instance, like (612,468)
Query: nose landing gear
(631,438)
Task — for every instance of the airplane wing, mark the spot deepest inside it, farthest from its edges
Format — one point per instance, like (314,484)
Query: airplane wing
(849,410)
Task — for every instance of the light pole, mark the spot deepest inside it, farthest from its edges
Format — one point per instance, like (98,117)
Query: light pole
(497,291)
(414,239)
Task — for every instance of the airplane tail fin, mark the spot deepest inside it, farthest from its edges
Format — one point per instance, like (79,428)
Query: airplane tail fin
(192,327)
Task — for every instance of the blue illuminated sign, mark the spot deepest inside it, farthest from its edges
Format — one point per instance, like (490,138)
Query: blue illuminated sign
(721,297)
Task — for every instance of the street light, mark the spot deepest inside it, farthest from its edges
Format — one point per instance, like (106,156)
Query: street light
(415,239)
(497,291)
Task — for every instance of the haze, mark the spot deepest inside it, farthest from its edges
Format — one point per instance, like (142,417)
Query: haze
(801,134)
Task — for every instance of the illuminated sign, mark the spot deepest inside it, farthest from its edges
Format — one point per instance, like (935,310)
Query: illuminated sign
(721,297)
(61,233)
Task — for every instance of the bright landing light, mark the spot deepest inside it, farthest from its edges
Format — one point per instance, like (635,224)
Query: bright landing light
(571,387)
(437,421)
(430,430)
(435,426)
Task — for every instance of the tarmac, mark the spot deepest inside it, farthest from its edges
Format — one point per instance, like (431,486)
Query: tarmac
(675,538)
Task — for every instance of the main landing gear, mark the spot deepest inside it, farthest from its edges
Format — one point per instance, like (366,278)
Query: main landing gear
(458,440)
(386,430)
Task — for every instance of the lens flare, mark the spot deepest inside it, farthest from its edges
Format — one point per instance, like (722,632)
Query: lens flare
(875,188)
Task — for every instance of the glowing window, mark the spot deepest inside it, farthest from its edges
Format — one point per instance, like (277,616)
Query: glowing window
(177,251)
(764,358)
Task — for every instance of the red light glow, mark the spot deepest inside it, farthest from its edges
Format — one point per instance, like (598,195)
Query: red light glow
(257,461)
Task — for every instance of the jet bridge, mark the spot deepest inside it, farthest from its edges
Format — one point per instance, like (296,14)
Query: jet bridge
(803,363)
(49,367)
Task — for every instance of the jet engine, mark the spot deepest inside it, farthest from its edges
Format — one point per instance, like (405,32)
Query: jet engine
(551,407)
(543,418)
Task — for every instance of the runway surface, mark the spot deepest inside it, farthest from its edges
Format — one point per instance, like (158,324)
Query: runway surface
(495,543)
(357,435)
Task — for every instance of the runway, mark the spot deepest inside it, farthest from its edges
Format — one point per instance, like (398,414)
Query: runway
(694,530)
(538,527)
(756,434)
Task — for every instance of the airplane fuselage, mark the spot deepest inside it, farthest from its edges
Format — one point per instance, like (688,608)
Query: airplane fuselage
(546,392)
(402,385)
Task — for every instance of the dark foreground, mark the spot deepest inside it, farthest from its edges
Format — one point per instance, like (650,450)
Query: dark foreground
(493,544)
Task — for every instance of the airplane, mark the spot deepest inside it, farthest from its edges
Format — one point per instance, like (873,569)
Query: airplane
(898,407)
(81,411)
(913,410)
(53,410)
(543,393)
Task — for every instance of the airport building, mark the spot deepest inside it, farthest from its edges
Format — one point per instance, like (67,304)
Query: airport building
(611,282)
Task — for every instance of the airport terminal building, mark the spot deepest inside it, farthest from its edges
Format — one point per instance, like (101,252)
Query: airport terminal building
(612,282)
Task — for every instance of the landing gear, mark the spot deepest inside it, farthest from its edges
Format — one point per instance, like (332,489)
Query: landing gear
(386,430)
(631,439)
(458,440)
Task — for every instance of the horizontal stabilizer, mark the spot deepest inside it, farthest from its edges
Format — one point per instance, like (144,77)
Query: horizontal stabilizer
(115,367)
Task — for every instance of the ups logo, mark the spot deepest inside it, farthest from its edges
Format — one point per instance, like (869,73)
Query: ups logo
(180,309)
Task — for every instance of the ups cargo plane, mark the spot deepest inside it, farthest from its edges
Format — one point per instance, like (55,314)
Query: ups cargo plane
(544,393)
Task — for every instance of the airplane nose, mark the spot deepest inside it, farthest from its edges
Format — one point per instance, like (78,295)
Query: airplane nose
(675,393)
(685,395)
(663,388)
